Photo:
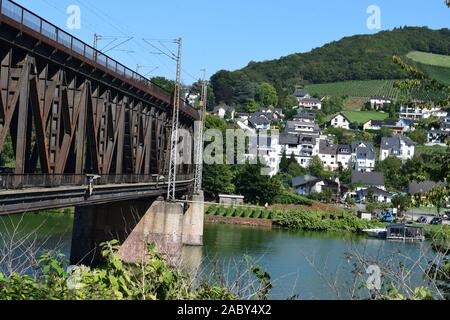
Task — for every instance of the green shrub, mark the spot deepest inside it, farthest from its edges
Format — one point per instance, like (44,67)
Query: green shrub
(230,212)
(266,214)
(248,213)
(152,280)
(257,213)
(293,198)
(239,212)
(315,221)
(212,209)
(222,211)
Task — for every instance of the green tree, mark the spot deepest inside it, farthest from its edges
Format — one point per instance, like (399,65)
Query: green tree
(391,167)
(284,163)
(438,197)
(290,102)
(292,159)
(295,170)
(419,136)
(164,83)
(255,187)
(267,95)
(315,167)
(217,179)
(253,106)
(7,154)
(402,203)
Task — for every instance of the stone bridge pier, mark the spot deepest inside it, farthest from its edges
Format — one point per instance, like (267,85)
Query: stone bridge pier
(135,224)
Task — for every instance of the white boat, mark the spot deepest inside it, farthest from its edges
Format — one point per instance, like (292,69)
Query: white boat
(376,233)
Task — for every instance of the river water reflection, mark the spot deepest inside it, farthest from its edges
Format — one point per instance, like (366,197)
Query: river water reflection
(301,264)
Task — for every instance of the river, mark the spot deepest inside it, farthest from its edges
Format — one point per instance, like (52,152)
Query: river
(303,265)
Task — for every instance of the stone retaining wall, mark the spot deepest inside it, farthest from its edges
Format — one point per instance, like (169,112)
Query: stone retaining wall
(238,221)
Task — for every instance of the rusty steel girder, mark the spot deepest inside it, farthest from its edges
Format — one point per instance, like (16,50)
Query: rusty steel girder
(66,114)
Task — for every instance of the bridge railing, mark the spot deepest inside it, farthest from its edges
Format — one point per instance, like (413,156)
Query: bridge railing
(29,181)
(45,28)
(27,18)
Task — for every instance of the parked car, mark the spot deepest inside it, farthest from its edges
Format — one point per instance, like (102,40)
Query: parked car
(422,220)
(436,221)
(388,217)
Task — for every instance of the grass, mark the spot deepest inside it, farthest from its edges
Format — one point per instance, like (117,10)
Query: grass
(430,150)
(362,117)
(424,208)
(354,103)
(437,66)
(432,59)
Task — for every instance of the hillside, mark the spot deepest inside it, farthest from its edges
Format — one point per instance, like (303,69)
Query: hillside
(359,88)
(432,59)
(359,57)
(437,66)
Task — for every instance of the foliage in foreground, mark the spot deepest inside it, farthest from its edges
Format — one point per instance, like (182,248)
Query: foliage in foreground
(153,280)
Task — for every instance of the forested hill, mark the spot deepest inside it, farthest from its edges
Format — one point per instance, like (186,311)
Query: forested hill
(360,57)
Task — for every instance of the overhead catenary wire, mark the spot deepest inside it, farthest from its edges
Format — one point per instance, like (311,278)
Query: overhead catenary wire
(124,32)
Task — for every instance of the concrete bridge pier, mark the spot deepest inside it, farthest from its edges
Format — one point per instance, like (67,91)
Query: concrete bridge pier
(95,224)
(162,225)
(194,221)
(136,224)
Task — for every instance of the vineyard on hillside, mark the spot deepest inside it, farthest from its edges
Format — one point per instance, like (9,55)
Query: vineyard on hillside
(366,89)
(432,59)
(441,74)
(371,88)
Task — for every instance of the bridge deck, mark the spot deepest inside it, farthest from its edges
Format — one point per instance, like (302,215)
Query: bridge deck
(37,199)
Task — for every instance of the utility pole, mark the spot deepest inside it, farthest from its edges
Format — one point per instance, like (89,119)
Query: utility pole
(171,189)
(96,38)
(200,140)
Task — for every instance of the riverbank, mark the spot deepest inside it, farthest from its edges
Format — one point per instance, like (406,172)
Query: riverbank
(316,217)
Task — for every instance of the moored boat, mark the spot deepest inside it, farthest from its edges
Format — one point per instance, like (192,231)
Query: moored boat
(376,233)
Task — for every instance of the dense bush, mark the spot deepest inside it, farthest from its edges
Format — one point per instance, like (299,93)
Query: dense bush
(153,280)
(292,198)
(320,221)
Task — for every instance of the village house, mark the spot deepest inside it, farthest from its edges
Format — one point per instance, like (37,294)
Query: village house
(328,155)
(368,179)
(398,146)
(340,121)
(310,117)
(310,104)
(418,113)
(303,147)
(438,137)
(441,135)
(363,156)
(301,94)
(224,111)
(378,103)
(259,123)
(344,156)
(374,194)
(398,127)
(308,184)
(368,184)
(418,190)
(302,127)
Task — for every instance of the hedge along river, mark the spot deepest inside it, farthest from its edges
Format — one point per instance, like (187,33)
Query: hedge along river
(304,265)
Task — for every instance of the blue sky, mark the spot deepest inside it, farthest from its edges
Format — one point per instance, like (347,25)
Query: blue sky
(227,34)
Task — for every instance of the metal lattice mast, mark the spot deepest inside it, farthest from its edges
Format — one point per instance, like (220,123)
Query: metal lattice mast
(200,138)
(171,189)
